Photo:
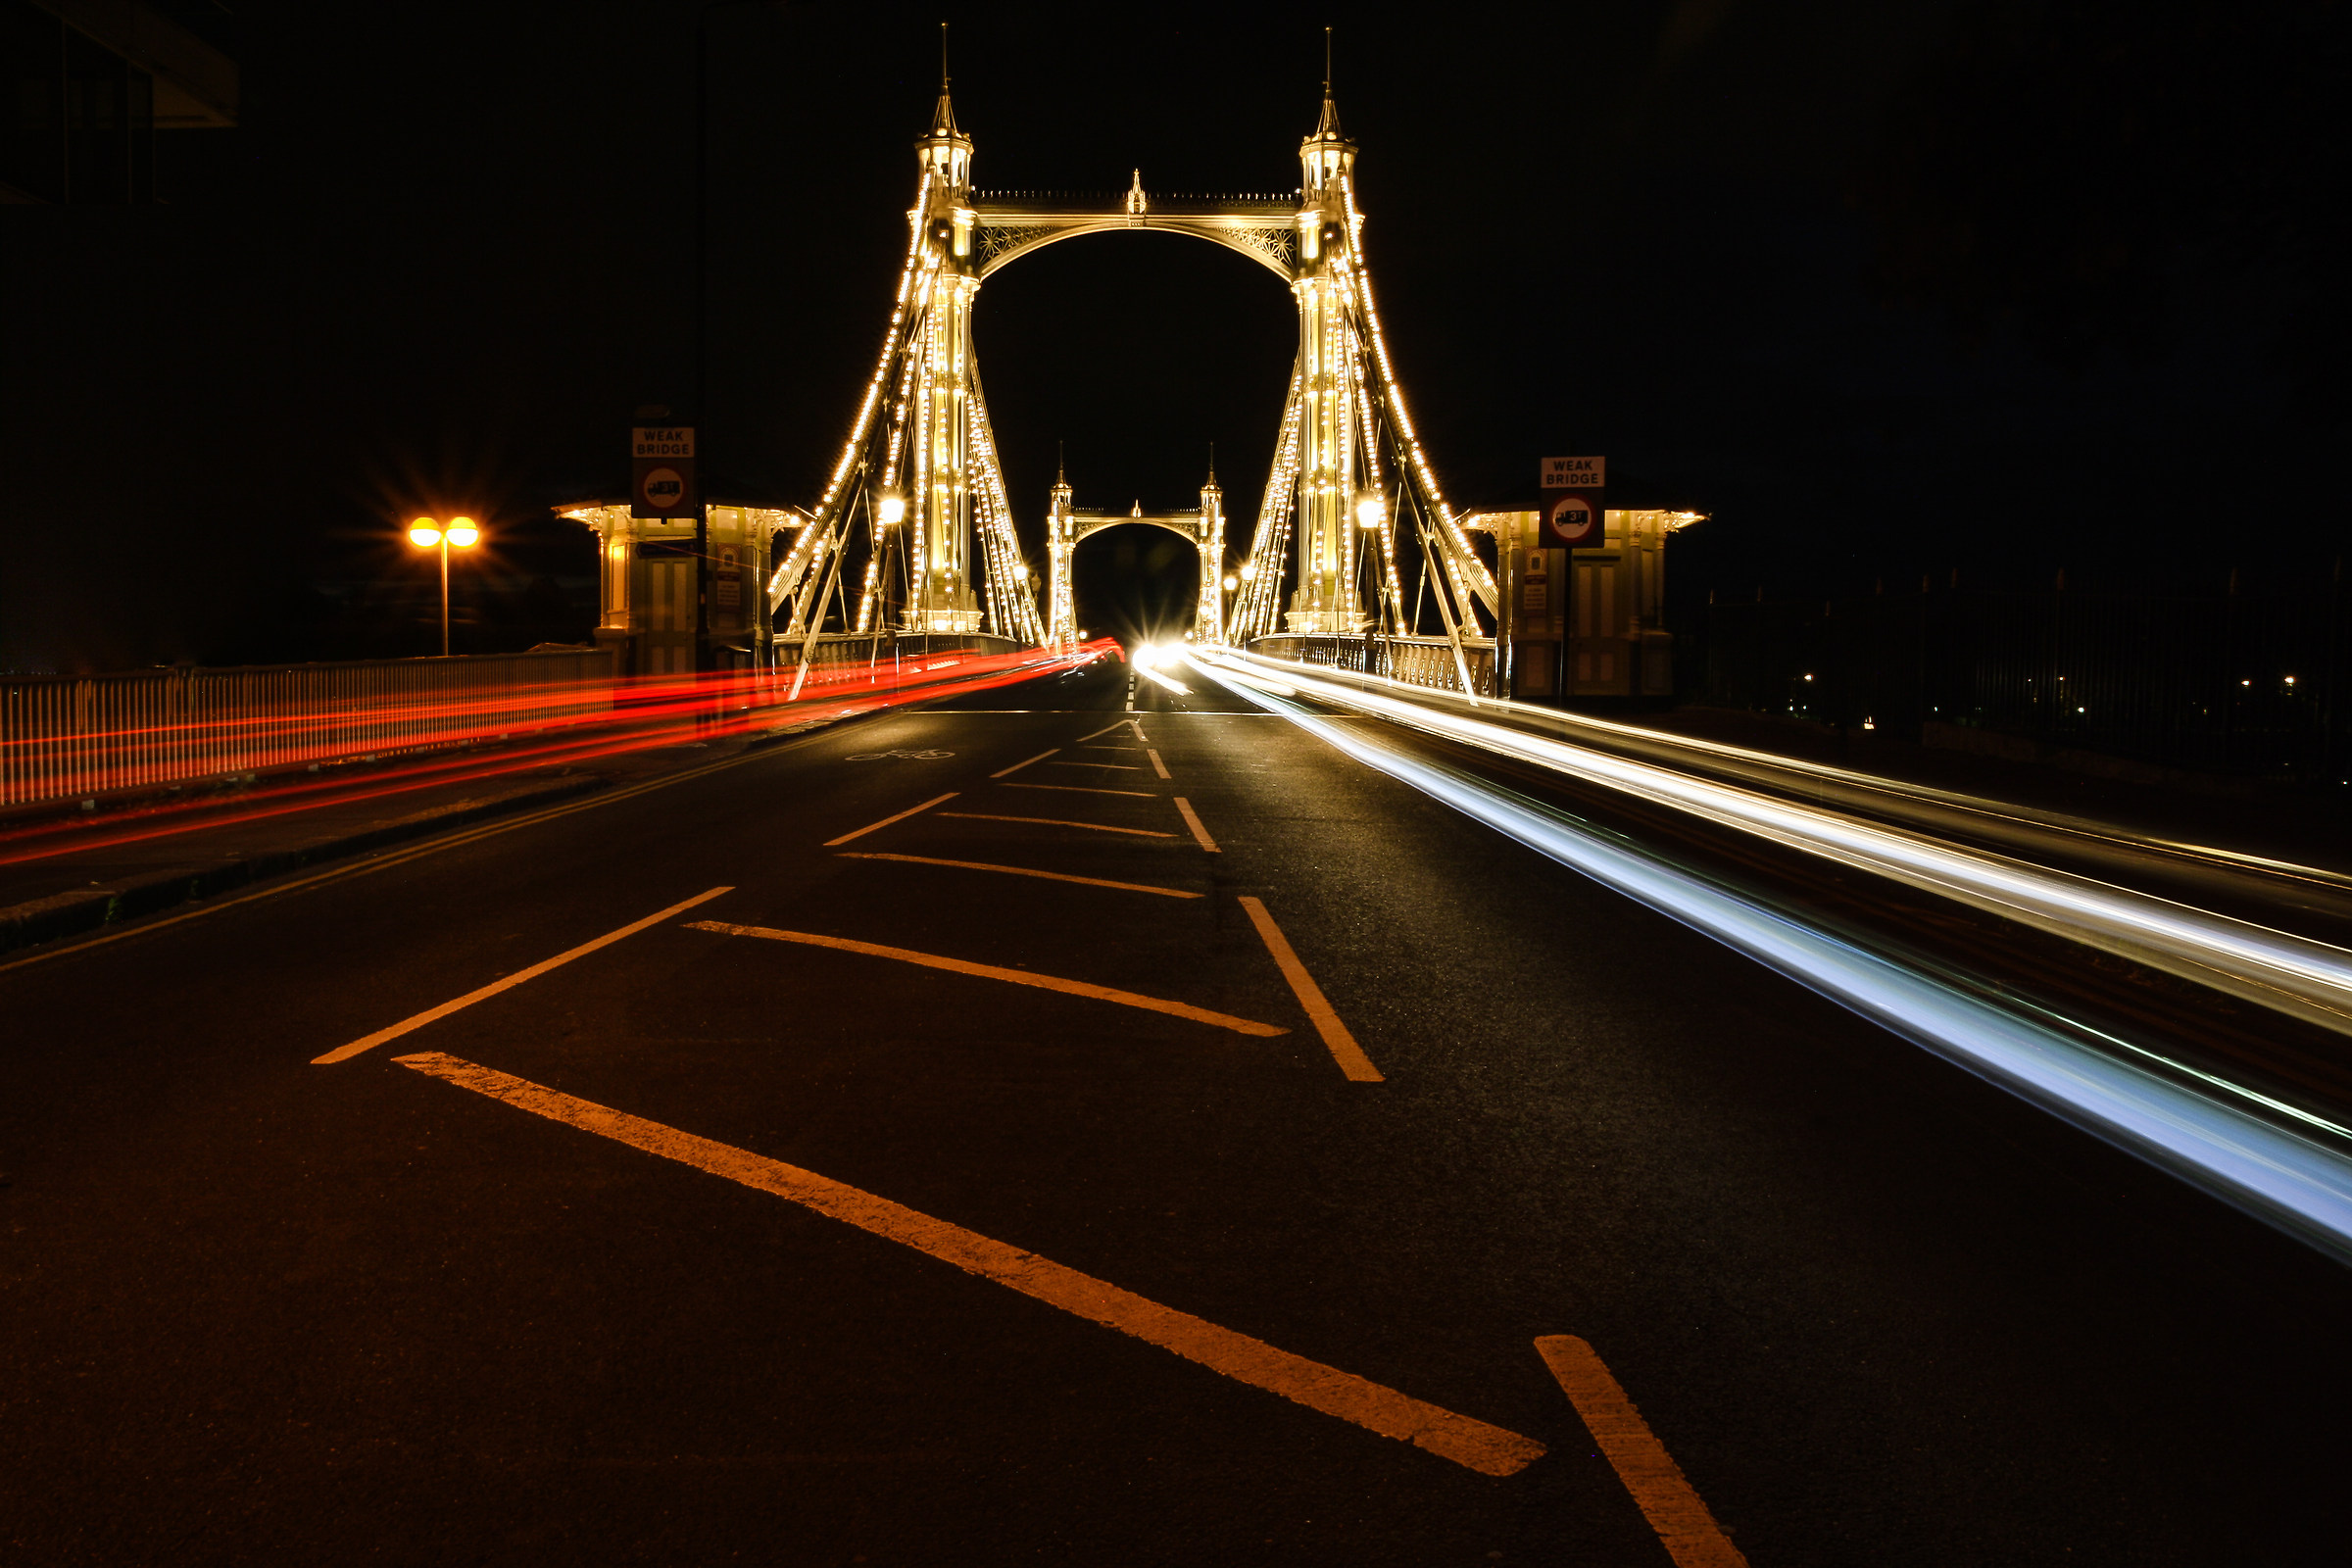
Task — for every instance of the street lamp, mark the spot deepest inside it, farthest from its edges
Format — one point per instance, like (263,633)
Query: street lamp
(427,533)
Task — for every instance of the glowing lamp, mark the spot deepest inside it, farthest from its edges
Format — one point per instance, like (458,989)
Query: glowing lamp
(424,533)
(463,533)
(1371,511)
(893,509)
(1020,572)
(1249,571)
(1231,583)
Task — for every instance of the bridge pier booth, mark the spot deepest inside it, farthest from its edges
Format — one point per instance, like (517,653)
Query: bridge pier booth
(647,585)
(1588,622)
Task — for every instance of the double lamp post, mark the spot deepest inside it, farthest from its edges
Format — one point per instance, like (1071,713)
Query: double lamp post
(429,533)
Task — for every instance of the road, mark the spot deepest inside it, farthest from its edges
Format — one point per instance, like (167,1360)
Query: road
(1028,1158)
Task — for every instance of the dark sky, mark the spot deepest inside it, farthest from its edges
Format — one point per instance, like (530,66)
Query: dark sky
(1886,287)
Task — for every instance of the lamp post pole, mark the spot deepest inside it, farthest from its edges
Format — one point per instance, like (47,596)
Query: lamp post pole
(427,533)
(701,321)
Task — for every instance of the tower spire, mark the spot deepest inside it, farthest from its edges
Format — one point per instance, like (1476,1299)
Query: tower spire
(1328,127)
(943,118)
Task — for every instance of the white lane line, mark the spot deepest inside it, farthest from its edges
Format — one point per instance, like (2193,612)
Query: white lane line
(1157,765)
(1105,730)
(370,1042)
(912,811)
(1018,766)
(1116,768)
(1056,821)
(1192,821)
(1466,1441)
(1022,870)
(1076,789)
(1336,1038)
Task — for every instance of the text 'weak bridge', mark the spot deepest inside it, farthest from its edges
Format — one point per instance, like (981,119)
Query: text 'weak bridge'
(914,533)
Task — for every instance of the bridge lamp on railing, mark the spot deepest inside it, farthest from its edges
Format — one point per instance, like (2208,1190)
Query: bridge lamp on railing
(1371,511)
(892,509)
(429,533)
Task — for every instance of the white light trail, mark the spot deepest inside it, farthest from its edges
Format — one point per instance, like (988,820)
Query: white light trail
(2296,1183)
(2291,975)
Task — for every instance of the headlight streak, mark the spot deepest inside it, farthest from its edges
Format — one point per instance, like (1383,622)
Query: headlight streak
(2298,1185)
(2305,979)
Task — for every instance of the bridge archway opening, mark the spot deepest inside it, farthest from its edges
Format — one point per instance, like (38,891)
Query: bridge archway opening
(1133,352)
(1135,580)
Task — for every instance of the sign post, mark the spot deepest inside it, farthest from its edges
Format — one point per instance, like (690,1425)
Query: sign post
(1573,517)
(662,485)
(662,472)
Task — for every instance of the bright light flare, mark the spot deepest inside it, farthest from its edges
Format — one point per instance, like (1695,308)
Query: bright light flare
(2298,1185)
(463,533)
(2271,969)
(424,533)
(892,510)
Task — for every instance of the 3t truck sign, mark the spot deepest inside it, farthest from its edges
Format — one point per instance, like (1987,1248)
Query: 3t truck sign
(662,472)
(1573,519)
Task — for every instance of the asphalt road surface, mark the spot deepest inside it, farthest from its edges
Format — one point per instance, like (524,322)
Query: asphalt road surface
(1027,1132)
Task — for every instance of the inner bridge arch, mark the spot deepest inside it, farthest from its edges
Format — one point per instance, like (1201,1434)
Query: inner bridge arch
(1068,527)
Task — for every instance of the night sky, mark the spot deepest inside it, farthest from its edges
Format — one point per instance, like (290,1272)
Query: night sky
(1886,288)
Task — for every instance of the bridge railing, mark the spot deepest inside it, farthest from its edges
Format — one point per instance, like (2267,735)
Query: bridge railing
(69,737)
(1415,661)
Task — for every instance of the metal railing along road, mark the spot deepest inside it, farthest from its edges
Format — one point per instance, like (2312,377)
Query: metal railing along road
(1415,661)
(66,737)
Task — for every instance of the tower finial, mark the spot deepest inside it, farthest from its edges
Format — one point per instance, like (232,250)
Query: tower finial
(1326,56)
(1212,463)
(943,57)
(1061,474)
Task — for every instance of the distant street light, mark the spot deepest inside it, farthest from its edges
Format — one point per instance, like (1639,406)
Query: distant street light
(427,533)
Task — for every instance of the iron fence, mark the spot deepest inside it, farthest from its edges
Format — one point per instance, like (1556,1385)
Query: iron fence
(2239,684)
(63,738)
(1414,660)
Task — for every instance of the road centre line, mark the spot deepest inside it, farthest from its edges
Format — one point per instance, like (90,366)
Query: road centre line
(914,810)
(1022,870)
(1473,1444)
(484,993)
(1018,766)
(989,972)
(1157,765)
(1666,1498)
(1081,789)
(1336,1038)
(1056,821)
(1193,821)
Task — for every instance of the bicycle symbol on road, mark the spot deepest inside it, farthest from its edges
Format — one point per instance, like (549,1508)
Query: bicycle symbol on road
(909,757)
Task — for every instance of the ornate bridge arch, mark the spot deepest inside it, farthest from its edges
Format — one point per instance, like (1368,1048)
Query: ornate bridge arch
(919,484)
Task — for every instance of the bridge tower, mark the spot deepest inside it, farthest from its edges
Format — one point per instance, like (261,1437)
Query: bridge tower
(918,491)
(1067,527)
(1330,467)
